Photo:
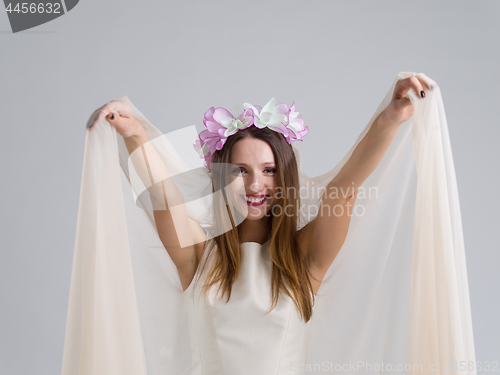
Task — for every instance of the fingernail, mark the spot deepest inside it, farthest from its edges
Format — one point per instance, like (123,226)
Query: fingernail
(432,86)
(113,115)
(422,94)
(96,117)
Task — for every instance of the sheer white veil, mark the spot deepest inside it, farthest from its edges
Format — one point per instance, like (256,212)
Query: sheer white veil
(396,294)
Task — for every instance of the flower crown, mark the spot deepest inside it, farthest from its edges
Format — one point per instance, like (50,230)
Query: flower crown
(221,124)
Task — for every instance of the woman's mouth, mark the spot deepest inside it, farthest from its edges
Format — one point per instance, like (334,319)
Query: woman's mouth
(255,200)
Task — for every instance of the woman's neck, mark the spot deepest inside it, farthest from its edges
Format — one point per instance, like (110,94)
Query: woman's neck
(254,230)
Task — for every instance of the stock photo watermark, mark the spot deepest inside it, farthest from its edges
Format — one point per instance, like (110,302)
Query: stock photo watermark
(156,180)
(25,15)
(337,201)
(364,366)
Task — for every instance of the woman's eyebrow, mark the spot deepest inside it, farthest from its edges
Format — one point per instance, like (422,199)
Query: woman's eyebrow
(269,162)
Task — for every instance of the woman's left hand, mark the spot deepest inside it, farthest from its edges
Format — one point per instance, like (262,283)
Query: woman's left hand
(400,109)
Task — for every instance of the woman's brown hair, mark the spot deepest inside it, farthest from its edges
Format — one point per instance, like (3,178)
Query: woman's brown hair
(290,271)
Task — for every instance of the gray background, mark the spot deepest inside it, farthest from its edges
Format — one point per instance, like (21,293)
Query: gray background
(174,60)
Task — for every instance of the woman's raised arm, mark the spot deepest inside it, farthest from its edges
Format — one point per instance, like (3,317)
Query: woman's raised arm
(174,227)
(324,236)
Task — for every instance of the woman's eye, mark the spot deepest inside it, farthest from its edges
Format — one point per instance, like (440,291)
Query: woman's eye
(238,170)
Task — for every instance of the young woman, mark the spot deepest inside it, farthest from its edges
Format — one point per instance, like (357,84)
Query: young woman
(268,269)
(258,261)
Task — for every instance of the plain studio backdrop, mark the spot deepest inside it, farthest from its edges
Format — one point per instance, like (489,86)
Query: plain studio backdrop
(176,59)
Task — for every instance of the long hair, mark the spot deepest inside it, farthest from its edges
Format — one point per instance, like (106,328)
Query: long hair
(290,271)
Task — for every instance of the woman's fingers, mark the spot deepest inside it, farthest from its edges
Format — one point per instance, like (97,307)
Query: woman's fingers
(102,113)
(400,108)
(115,107)
(404,85)
(426,81)
(420,84)
(416,85)
(423,81)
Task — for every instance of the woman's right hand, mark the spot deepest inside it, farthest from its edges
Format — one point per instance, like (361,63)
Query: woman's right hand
(118,114)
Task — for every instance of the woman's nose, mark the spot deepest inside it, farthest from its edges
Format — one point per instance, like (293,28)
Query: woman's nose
(256,184)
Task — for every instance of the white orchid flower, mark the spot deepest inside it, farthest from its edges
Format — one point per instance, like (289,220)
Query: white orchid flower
(268,116)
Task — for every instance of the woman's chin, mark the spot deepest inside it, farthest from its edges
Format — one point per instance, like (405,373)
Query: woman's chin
(257,213)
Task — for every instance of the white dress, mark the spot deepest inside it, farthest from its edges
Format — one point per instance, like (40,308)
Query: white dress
(238,337)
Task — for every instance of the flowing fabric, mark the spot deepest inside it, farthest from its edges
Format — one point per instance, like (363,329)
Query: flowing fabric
(395,299)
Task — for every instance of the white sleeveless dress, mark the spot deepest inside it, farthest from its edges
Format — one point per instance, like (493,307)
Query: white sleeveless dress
(237,337)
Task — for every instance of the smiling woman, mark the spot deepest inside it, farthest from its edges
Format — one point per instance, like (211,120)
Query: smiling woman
(250,149)
(309,277)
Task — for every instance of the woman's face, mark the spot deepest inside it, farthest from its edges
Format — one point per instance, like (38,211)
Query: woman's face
(255,160)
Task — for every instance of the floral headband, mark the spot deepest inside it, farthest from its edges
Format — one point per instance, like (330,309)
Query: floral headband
(221,124)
